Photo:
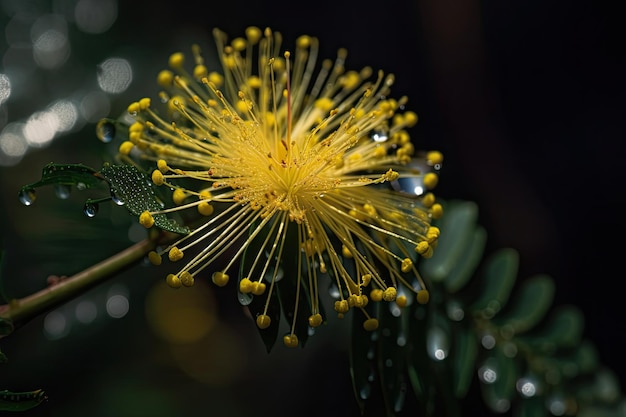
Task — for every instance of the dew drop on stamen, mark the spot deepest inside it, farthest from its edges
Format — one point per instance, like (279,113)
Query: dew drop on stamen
(90,209)
(105,130)
(62,191)
(27,196)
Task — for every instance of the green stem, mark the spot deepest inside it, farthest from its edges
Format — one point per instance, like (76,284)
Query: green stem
(22,310)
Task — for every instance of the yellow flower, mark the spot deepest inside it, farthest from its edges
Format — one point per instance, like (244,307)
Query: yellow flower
(289,164)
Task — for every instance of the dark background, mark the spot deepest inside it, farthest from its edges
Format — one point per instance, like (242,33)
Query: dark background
(524,98)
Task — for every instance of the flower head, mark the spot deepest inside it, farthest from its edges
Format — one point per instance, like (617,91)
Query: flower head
(292,166)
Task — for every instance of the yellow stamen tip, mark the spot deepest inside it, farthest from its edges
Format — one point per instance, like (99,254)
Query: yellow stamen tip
(290,340)
(205,208)
(187,279)
(126,147)
(177,60)
(434,158)
(436,211)
(245,285)
(146,219)
(315,320)
(424,249)
(407,264)
(376,294)
(370,324)
(430,180)
(157,177)
(342,306)
(155,258)
(179,196)
(258,288)
(162,166)
(263,321)
(175,254)
(401,301)
(173,281)
(423,296)
(389,294)
(220,278)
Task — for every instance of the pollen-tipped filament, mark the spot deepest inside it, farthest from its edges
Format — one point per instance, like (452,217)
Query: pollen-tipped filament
(287,164)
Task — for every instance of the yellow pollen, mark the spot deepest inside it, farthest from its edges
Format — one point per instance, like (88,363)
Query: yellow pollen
(430,180)
(220,278)
(157,177)
(179,196)
(175,254)
(155,258)
(424,249)
(376,294)
(290,340)
(401,301)
(436,211)
(389,294)
(165,78)
(187,279)
(370,324)
(406,265)
(177,60)
(263,321)
(341,306)
(245,285)
(146,220)
(258,288)
(423,296)
(434,158)
(205,208)
(173,281)
(315,320)
(126,147)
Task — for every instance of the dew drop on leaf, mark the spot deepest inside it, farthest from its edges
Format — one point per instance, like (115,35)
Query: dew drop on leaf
(90,209)
(62,191)
(27,196)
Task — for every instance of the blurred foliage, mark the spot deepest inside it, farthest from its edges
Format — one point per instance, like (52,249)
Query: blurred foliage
(482,326)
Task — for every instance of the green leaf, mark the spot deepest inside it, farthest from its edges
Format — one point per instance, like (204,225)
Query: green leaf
(363,352)
(21,401)
(466,266)
(463,357)
(497,282)
(134,189)
(532,407)
(563,329)
(457,234)
(499,392)
(529,304)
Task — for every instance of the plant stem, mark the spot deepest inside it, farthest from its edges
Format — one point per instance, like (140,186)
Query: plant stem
(22,310)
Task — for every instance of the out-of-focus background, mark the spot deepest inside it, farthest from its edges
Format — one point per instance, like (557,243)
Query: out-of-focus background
(524,98)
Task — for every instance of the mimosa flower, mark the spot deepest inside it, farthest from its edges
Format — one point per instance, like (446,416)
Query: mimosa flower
(289,163)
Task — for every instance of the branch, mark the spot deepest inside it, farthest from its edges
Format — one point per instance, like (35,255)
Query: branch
(20,311)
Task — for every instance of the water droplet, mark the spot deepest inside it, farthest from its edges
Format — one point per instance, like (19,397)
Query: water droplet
(27,196)
(526,387)
(81,186)
(487,374)
(365,392)
(116,200)
(62,191)
(333,290)
(244,299)
(105,130)
(90,209)
(438,344)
